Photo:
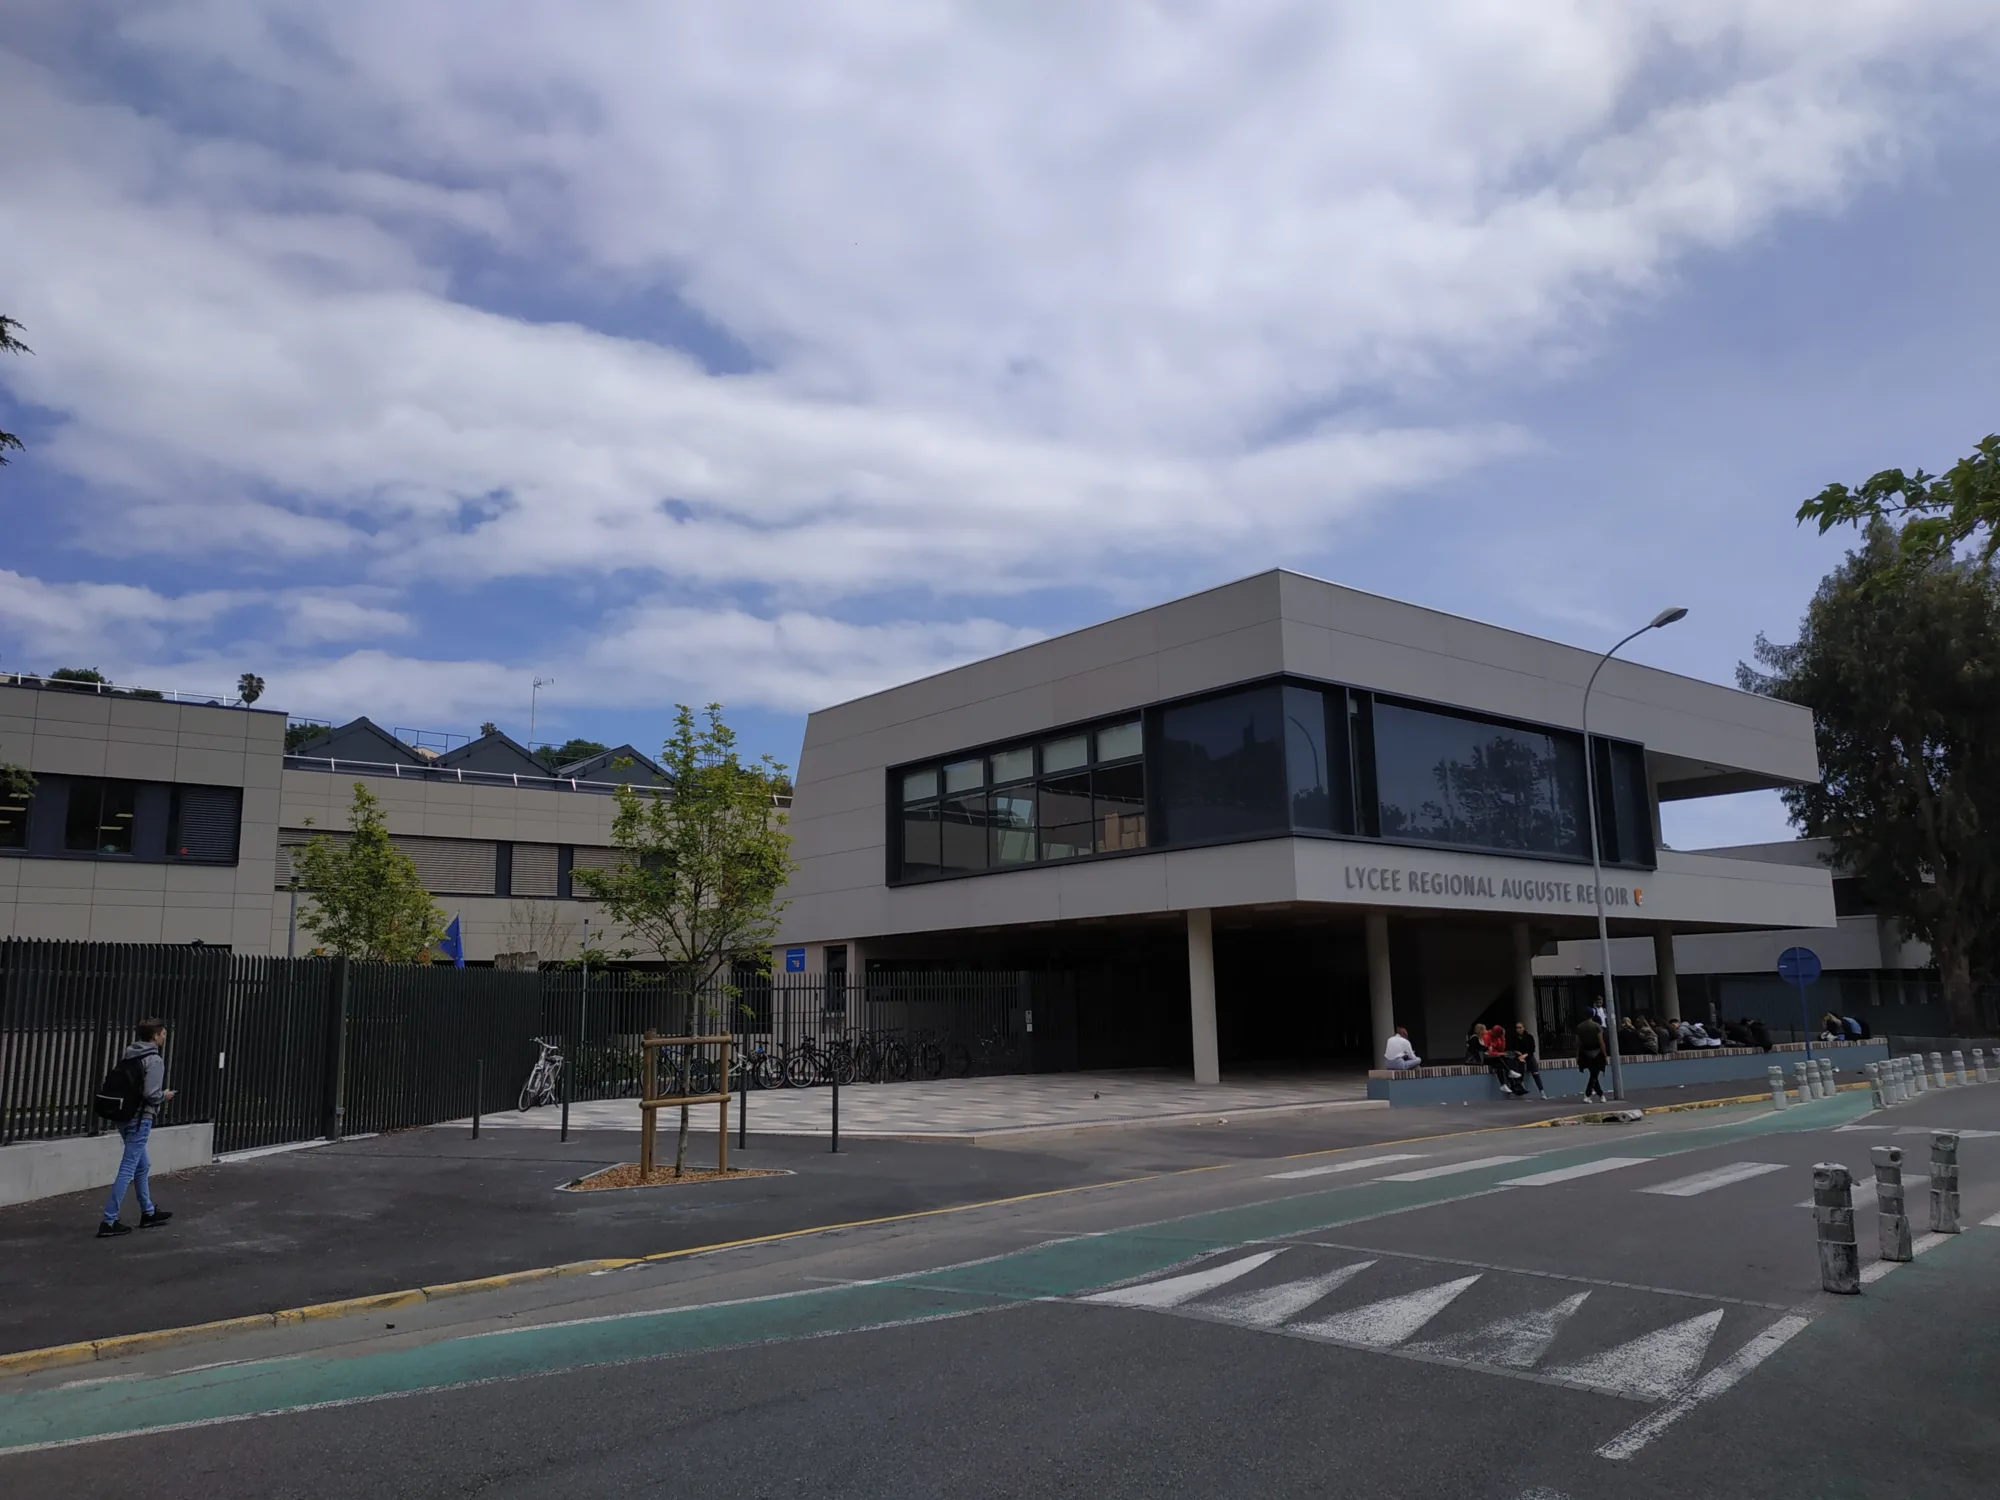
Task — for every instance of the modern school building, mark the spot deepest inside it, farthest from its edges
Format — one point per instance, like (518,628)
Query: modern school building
(1269,822)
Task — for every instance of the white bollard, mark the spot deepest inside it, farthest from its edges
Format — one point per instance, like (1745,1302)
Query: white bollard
(1938,1079)
(1833,1218)
(1958,1067)
(1828,1081)
(1944,1182)
(1779,1098)
(1808,1081)
(1920,1080)
(1892,1219)
(1878,1091)
(1902,1067)
(1979,1064)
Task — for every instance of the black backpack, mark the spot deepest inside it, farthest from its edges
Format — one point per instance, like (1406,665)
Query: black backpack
(123,1093)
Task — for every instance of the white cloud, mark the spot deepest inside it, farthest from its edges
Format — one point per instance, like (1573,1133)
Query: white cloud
(1043,296)
(105,625)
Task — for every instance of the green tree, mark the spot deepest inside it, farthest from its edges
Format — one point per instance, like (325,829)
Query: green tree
(702,865)
(1936,513)
(1901,668)
(367,899)
(10,345)
(79,674)
(569,752)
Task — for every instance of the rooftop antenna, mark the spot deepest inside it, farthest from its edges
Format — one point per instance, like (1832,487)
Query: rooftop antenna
(540,683)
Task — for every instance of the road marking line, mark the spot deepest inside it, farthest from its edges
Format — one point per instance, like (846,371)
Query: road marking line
(1844,1129)
(1872,1274)
(1964,1135)
(1178,1289)
(1512,1343)
(1708,1182)
(1711,1385)
(1924,1242)
(1344,1166)
(1487,1265)
(1273,1305)
(1570,1174)
(1425,1174)
(1992,1223)
(1652,1367)
(1384,1324)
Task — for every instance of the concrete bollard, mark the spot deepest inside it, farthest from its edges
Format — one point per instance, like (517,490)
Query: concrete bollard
(1893,1077)
(1944,1182)
(1808,1081)
(1920,1081)
(1892,1220)
(1833,1219)
(1979,1064)
(1779,1098)
(1829,1082)
(1958,1067)
(1937,1070)
(1878,1088)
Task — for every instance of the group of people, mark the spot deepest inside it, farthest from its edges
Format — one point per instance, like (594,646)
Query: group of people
(1643,1034)
(1513,1056)
(1835,1028)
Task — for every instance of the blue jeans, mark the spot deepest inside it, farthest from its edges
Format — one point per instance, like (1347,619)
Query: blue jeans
(134,1168)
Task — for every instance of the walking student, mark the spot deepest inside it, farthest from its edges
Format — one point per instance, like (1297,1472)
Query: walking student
(134,1095)
(1590,1055)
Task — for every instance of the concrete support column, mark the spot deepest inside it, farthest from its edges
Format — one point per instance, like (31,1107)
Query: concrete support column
(1524,976)
(1666,980)
(1381,998)
(1201,996)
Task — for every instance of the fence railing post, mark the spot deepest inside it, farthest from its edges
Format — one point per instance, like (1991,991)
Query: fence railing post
(336,1050)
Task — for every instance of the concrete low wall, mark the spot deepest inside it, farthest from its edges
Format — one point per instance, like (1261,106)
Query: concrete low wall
(1564,1080)
(48,1169)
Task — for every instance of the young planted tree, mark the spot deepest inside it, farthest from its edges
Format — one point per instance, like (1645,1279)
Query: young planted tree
(367,899)
(701,866)
(1900,665)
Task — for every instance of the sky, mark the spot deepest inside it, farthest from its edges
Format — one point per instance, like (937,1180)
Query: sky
(775,354)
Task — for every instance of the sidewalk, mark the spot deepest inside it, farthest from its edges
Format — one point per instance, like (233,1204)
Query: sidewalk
(963,1110)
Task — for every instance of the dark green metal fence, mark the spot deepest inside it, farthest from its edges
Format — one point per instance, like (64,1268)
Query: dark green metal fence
(275,1050)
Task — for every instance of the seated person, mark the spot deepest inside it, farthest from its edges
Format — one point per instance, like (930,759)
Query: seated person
(1399,1055)
(1851,1028)
(1475,1046)
(1649,1039)
(1736,1033)
(1760,1035)
(1699,1037)
(1500,1058)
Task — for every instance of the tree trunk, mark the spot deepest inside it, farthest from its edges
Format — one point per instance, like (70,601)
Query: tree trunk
(681,1147)
(1955,966)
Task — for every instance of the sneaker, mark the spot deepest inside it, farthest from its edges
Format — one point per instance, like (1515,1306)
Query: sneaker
(157,1216)
(112,1228)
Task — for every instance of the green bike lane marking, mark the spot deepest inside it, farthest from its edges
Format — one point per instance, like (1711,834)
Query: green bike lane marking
(1060,1268)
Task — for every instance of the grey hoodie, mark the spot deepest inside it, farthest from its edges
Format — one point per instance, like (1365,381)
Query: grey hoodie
(156,1077)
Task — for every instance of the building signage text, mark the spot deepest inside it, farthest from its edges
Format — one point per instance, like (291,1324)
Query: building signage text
(1392,880)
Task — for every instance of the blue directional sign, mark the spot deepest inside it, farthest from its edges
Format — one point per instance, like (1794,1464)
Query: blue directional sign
(1798,966)
(795,961)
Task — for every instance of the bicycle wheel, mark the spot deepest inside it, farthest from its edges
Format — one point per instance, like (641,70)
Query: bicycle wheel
(959,1060)
(930,1060)
(802,1069)
(766,1074)
(895,1061)
(531,1091)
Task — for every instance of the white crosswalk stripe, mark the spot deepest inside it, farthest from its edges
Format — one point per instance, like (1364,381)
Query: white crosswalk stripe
(1717,1177)
(1571,1174)
(1385,1324)
(1513,1343)
(1992,1223)
(1453,1168)
(1343,1166)
(1653,1367)
(1178,1289)
(1963,1135)
(1270,1306)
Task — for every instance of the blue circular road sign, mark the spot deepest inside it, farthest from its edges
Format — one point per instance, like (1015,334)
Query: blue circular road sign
(1798,966)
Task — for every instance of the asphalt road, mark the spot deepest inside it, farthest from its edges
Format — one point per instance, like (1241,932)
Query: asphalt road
(1639,1317)
(426,1206)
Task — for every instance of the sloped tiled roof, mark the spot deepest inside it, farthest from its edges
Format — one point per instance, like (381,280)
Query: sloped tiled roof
(493,753)
(604,766)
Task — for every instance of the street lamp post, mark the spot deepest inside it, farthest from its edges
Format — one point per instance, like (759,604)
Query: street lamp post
(1664,618)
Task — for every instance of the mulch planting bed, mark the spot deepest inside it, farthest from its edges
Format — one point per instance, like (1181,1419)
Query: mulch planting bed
(626,1175)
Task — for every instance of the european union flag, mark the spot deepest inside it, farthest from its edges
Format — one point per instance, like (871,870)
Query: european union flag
(452,945)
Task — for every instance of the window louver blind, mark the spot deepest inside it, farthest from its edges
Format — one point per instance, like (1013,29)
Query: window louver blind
(534,869)
(452,867)
(205,824)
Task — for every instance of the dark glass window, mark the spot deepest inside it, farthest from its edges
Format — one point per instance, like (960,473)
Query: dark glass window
(100,817)
(1013,765)
(1625,804)
(1012,816)
(1316,759)
(1222,768)
(1451,780)
(1119,795)
(203,824)
(1065,816)
(964,834)
(921,854)
(13,822)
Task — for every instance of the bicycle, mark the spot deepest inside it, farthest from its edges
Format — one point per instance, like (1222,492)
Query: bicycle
(543,1076)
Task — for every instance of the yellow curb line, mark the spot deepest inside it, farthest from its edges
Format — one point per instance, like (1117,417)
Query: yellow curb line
(84,1351)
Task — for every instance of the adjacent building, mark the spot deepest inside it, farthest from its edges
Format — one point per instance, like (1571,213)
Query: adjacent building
(168,820)
(1269,822)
